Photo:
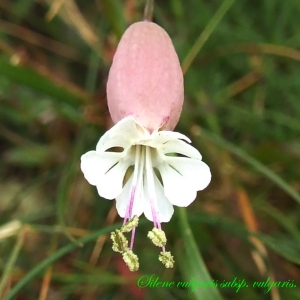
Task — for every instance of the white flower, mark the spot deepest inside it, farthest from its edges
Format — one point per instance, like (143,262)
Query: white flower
(159,179)
(154,169)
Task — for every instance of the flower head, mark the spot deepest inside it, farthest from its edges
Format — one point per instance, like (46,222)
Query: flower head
(154,169)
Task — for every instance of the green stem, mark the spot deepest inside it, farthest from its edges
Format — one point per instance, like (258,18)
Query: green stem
(148,12)
(12,259)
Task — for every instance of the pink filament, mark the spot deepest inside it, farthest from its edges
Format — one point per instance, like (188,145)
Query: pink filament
(128,214)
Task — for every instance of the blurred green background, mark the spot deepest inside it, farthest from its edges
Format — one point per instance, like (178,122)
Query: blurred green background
(242,111)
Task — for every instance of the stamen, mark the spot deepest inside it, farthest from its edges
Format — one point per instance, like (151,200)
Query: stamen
(167,259)
(131,260)
(120,243)
(158,237)
(151,187)
(130,203)
(137,183)
(132,223)
(132,238)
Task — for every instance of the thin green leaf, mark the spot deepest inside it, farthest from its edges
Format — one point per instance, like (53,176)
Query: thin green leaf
(218,140)
(54,257)
(13,257)
(40,83)
(194,265)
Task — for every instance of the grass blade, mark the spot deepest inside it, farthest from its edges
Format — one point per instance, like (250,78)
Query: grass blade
(218,140)
(54,257)
(194,262)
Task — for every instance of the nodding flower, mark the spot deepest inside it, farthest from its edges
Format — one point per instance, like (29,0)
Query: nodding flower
(156,167)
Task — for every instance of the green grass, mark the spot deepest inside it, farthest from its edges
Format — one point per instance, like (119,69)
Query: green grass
(242,111)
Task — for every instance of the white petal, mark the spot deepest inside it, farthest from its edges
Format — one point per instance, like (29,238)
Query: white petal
(165,208)
(176,188)
(95,165)
(124,134)
(195,171)
(110,185)
(180,147)
(138,207)
(162,137)
(106,143)
(123,200)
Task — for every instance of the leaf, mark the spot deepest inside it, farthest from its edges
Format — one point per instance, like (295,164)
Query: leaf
(40,83)
(193,265)
(54,257)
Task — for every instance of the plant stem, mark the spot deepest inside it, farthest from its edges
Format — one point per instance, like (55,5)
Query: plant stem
(148,12)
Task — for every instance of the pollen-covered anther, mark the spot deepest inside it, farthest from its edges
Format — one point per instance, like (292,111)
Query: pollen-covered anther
(167,259)
(131,260)
(130,224)
(120,243)
(158,237)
